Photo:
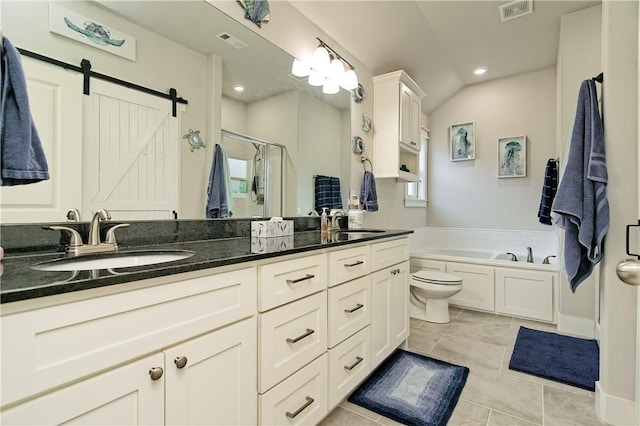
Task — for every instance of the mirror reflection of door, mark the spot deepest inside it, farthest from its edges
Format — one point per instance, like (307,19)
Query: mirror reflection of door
(130,155)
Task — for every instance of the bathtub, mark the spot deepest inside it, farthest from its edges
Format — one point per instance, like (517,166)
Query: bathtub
(483,257)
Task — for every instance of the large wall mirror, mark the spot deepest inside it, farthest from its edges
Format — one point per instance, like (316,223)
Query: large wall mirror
(179,44)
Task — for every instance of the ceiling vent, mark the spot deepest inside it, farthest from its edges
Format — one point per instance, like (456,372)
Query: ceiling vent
(515,9)
(233,41)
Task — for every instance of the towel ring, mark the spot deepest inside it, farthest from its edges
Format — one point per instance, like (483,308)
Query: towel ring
(362,160)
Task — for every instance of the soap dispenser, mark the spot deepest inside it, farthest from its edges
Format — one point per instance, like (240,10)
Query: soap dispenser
(324,221)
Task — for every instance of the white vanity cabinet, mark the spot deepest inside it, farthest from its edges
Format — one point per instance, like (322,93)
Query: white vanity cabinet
(389,298)
(96,351)
(397,112)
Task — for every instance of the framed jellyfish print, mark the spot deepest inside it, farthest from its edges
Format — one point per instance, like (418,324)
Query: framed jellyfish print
(462,140)
(512,157)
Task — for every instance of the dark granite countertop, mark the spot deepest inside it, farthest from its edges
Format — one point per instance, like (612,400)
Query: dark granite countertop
(214,249)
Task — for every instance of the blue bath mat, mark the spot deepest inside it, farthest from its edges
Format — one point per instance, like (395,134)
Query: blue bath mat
(552,356)
(412,389)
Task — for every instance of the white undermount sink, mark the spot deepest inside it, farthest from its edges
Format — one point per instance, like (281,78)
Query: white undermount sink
(113,260)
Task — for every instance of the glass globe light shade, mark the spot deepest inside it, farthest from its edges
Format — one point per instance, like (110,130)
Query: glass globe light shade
(349,80)
(320,60)
(299,68)
(316,78)
(330,88)
(336,71)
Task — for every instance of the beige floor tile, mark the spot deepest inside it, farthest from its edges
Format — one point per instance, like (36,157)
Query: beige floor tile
(497,334)
(468,414)
(463,350)
(507,394)
(505,370)
(423,340)
(388,422)
(359,410)
(568,408)
(415,323)
(454,312)
(500,419)
(344,417)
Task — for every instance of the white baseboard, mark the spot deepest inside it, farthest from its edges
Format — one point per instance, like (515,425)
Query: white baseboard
(613,410)
(597,337)
(577,326)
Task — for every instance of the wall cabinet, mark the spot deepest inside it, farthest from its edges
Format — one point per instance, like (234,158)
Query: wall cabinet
(397,113)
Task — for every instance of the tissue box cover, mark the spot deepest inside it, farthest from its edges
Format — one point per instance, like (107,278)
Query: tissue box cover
(271,245)
(269,229)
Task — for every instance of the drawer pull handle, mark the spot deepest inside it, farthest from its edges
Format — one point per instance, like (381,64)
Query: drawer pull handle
(359,359)
(301,409)
(156,373)
(309,332)
(358,306)
(297,280)
(351,265)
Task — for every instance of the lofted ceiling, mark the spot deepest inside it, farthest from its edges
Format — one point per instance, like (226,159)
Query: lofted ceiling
(439,43)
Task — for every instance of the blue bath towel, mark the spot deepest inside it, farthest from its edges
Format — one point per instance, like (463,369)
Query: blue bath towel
(581,200)
(22,158)
(217,206)
(327,193)
(549,190)
(368,195)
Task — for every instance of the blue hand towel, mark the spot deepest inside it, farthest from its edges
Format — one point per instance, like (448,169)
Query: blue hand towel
(581,200)
(322,187)
(336,195)
(549,190)
(217,206)
(368,195)
(22,158)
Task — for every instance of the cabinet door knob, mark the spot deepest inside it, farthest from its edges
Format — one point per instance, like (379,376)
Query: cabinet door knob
(180,361)
(156,373)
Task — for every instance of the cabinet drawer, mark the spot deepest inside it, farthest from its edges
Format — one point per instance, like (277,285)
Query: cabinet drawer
(527,294)
(389,253)
(283,282)
(349,309)
(349,364)
(51,346)
(300,399)
(477,286)
(290,337)
(345,265)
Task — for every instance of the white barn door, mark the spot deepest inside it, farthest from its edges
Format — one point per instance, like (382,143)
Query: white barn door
(55,100)
(130,154)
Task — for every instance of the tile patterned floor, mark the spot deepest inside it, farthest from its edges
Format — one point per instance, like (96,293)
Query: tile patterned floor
(493,394)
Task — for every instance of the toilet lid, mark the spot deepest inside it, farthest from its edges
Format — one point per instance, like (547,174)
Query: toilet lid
(436,277)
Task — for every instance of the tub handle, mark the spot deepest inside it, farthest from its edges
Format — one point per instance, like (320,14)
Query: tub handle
(546,260)
(514,258)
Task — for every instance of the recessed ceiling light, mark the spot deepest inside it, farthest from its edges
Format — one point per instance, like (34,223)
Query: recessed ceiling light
(480,70)
(238,88)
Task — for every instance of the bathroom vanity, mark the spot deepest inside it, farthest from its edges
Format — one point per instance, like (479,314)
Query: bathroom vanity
(224,337)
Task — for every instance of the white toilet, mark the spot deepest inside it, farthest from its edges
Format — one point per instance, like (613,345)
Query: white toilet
(429,293)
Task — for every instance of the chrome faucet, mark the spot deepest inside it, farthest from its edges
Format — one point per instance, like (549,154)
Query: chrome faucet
(529,255)
(335,226)
(94,244)
(514,258)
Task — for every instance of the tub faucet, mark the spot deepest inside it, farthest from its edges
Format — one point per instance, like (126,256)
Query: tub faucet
(514,258)
(529,255)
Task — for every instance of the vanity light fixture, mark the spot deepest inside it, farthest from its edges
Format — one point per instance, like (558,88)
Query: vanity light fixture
(480,70)
(326,68)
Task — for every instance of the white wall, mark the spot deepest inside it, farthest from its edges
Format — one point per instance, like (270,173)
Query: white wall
(468,194)
(616,391)
(579,58)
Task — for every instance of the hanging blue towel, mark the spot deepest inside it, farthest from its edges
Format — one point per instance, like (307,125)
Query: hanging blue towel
(368,195)
(549,190)
(217,206)
(336,195)
(581,200)
(22,158)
